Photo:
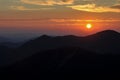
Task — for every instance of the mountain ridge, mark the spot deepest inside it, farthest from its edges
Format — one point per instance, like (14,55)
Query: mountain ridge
(94,43)
(107,36)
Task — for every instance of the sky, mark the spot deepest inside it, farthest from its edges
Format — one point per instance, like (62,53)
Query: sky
(28,18)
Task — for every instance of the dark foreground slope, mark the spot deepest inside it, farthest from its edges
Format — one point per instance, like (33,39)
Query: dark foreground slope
(71,59)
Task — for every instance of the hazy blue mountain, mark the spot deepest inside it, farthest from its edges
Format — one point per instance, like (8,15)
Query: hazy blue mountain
(4,39)
(9,42)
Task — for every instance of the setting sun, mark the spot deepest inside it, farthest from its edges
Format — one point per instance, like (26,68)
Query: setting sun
(88,26)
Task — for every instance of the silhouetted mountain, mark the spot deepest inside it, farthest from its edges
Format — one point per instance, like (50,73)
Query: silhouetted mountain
(3,49)
(59,60)
(4,53)
(105,42)
(104,35)
(102,42)
(67,59)
(47,42)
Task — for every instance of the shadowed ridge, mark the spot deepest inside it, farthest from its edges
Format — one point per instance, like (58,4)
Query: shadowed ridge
(107,41)
(106,34)
(57,60)
(45,36)
(109,32)
(72,36)
(36,41)
(109,37)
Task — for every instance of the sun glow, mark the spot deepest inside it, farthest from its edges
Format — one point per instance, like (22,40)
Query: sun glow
(88,26)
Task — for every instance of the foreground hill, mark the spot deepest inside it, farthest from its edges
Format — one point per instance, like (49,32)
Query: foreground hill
(59,60)
(67,59)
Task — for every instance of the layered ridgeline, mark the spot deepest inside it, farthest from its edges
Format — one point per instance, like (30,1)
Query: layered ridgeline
(102,43)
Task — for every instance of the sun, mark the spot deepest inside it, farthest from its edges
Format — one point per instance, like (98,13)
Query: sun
(88,26)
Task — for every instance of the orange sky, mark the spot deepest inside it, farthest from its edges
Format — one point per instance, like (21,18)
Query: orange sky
(58,17)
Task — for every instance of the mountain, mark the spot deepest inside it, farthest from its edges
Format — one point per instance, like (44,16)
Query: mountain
(47,42)
(102,42)
(4,53)
(65,53)
(9,42)
(4,49)
(4,39)
(66,59)
(105,42)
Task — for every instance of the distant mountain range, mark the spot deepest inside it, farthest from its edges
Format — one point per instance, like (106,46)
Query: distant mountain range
(3,39)
(102,42)
(65,51)
(8,42)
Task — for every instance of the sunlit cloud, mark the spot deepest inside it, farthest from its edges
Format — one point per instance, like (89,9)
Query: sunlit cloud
(48,2)
(22,8)
(79,20)
(94,8)
(117,6)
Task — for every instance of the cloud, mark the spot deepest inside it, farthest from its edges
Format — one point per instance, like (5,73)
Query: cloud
(22,8)
(81,20)
(94,8)
(48,2)
(18,8)
(89,0)
(117,6)
(83,5)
